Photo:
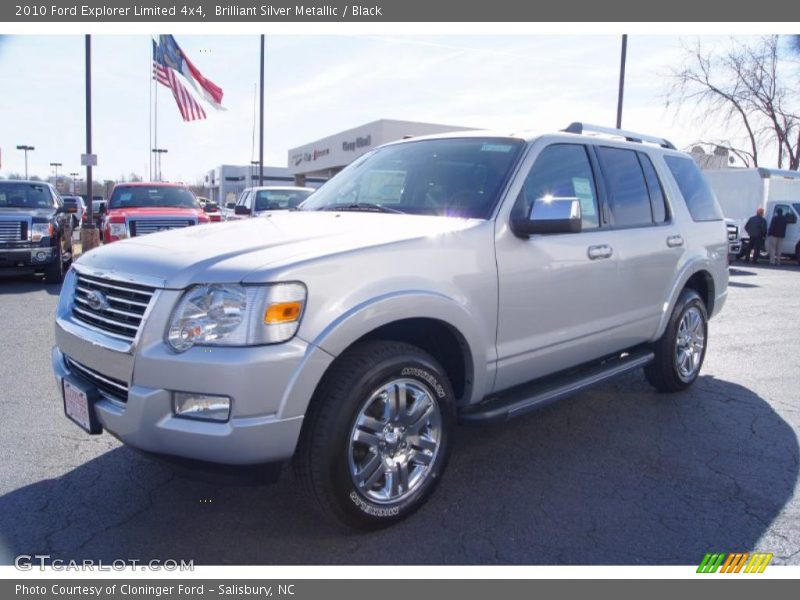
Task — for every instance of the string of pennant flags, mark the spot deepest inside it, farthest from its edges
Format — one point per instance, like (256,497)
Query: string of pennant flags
(170,65)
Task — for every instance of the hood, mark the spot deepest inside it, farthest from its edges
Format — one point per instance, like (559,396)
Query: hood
(155,211)
(25,213)
(229,252)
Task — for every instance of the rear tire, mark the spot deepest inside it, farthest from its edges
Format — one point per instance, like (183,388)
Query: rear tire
(680,352)
(376,437)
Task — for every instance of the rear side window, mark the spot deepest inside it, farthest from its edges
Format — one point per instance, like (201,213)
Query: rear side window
(657,201)
(628,197)
(694,189)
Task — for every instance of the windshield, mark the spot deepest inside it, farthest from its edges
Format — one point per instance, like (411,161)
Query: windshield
(452,177)
(25,195)
(280,199)
(146,196)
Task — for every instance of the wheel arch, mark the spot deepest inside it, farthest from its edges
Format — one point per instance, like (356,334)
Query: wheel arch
(697,277)
(435,324)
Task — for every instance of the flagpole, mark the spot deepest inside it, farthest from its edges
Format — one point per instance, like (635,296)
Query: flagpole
(150,113)
(261,108)
(156,162)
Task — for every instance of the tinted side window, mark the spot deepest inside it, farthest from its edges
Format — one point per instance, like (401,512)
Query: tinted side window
(694,189)
(628,197)
(561,171)
(657,201)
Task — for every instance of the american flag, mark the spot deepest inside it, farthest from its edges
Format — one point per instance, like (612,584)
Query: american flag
(187,105)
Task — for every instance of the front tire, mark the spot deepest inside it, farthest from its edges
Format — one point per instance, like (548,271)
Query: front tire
(54,272)
(680,352)
(376,438)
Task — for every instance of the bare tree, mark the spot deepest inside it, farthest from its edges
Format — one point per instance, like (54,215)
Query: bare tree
(744,88)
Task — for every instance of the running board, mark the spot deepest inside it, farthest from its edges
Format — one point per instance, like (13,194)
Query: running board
(528,397)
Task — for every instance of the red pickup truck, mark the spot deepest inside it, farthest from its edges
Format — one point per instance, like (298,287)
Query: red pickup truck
(136,209)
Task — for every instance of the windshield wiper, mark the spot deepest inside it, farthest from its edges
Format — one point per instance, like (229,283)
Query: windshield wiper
(362,207)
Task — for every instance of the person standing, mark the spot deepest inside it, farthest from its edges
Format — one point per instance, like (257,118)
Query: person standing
(756,228)
(777,231)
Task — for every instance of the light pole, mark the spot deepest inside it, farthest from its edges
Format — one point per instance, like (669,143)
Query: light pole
(74,184)
(26,149)
(55,165)
(622,59)
(158,152)
(253,169)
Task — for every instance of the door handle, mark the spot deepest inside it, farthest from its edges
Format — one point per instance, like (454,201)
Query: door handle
(675,241)
(598,252)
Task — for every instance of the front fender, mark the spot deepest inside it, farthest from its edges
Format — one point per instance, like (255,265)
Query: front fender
(367,316)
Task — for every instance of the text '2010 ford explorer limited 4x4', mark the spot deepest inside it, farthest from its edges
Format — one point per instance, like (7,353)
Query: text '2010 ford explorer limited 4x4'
(466,276)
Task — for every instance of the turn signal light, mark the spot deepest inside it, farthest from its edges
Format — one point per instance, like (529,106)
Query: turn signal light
(283,312)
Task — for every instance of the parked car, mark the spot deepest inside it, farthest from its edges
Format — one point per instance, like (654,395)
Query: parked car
(256,201)
(79,205)
(467,276)
(136,209)
(35,230)
(211,209)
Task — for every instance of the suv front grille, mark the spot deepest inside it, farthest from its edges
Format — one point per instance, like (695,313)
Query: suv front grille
(145,226)
(115,307)
(109,387)
(11,231)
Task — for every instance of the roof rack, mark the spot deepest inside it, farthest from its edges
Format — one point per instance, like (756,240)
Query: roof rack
(630,136)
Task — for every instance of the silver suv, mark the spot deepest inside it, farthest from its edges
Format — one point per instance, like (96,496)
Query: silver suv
(470,277)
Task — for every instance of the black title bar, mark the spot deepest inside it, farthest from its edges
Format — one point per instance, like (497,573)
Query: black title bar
(397,11)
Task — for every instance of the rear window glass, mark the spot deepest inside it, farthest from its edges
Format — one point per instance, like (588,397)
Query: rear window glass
(694,189)
(280,199)
(628,196)
(657,201)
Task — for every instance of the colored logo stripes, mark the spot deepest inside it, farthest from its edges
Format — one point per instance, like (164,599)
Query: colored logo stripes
(735,562)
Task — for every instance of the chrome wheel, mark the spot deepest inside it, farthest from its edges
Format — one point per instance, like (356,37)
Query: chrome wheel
(690,343)
(395,441)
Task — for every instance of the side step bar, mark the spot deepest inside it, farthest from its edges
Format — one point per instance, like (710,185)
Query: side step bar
(528,397)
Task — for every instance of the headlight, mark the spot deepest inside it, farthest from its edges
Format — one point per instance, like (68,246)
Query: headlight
(118,230)
(41,230)
(236,315)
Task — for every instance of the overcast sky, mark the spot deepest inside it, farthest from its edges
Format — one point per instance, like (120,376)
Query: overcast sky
(317,86)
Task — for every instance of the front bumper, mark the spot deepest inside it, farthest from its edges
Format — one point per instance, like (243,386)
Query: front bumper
(26,258)
(146,421)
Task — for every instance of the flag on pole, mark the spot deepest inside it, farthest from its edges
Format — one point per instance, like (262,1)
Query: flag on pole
(189,108)
(174,57)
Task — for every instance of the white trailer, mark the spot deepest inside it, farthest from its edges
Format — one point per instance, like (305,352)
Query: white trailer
(741,191)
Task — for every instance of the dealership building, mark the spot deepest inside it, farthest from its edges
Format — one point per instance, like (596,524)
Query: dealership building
(326,157)
(314,163)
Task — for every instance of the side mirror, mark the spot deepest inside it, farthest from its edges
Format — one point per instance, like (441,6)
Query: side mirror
(550,215)
(241,209)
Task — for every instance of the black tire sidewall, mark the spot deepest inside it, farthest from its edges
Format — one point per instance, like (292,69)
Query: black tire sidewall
(359,510)
(688,300)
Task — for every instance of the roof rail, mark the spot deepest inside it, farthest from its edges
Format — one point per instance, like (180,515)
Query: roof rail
(630,136)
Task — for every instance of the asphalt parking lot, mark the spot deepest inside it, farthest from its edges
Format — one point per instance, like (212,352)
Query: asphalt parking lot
(617,475)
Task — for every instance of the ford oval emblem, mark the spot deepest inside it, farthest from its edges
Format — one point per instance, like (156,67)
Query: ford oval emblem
(96,300)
